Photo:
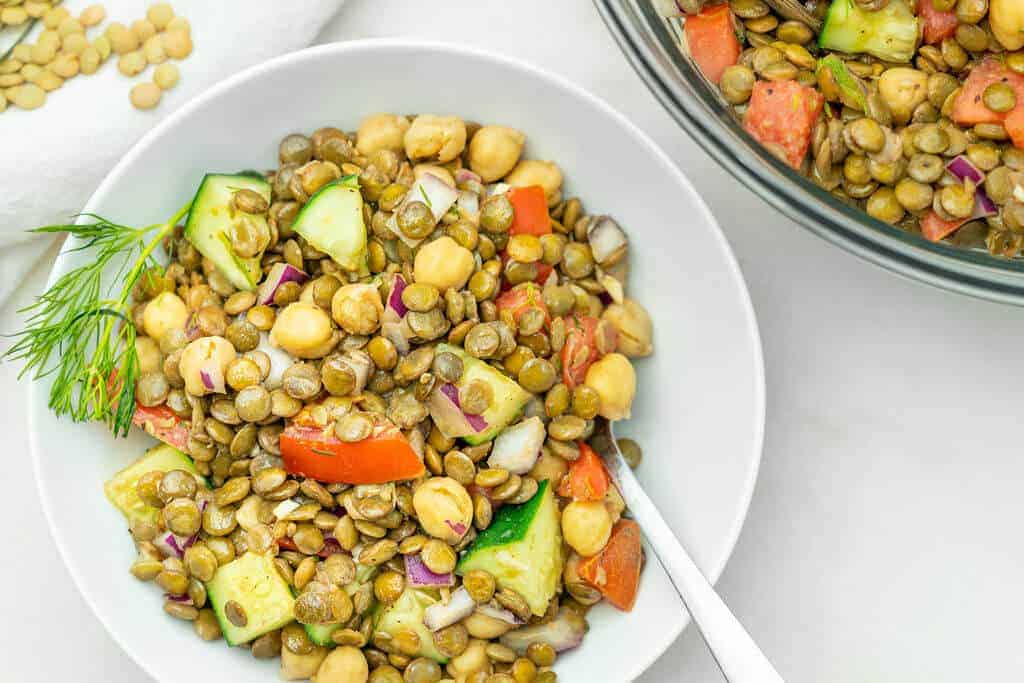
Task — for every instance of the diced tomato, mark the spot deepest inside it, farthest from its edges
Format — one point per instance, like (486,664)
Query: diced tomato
(937,25)
(712,40)
(313,451)
(935,228)
(587,479)
(520,299)
(530,211)
(581,347)
(1014,125)
(615,571)
(164,424)
(783,113)
(969,108)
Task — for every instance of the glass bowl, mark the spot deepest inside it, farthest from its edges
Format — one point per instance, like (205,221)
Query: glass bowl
(650,45)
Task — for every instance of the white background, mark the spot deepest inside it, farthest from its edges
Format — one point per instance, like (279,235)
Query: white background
(883,540)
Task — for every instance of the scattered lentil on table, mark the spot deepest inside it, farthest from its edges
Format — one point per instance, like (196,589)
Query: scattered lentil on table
(62,50)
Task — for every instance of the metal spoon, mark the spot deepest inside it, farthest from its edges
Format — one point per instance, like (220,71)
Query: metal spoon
(735,652)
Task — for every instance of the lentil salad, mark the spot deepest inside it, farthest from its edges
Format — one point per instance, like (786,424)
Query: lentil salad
(374,371)
(907,109)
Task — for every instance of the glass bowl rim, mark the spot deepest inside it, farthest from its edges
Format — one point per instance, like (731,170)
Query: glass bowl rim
(670,76)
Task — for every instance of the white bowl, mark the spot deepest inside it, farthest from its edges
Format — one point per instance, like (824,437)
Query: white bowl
(699,414)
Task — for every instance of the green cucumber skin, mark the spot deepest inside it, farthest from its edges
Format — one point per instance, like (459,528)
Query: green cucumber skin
(161,457)
(407,613)
(847,28)
(349,181)
(505,388)
(510,525)
(321,634)
(242,273)
(228,573)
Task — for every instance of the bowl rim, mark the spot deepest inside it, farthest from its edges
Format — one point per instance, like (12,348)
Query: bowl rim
(458,50)
(696,111)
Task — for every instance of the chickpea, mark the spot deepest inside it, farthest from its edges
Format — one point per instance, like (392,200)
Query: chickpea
(444,264)
(150,358)
(381,132)
(444,508)
(472,660)
(197,354)
(162,313)
(296,667)
(431,136)
(903,88)
(304,330)
(1006,18)
(533,172)
(614,380)
(634,326)
(357,308)
(343,665)
(586,526)
(494,151)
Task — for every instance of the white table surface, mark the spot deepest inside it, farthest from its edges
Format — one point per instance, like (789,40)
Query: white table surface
(882,543)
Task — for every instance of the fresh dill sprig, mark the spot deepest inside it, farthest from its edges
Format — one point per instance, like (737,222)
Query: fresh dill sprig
(81,333)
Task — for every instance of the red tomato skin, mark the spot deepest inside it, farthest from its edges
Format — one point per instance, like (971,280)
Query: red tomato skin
(162,423)
(934,228)
(581,334)
(587,478)
(712,41)
(969,109)
(529,211)
(783,113)
(937,25)
(1014,125)
(314,452)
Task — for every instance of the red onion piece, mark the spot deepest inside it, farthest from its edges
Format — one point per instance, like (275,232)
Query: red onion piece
(983,205)
(280,360)
(331,547)
(607,240)
(279,274)
(435,193)
(212,375)
(440,615)
(398,333)
(446,415)
(562,633)
(172,545)
(496,189)
(475,421)
(500,614)
(464,175)
(183,599)
(517,448)
(395,298)
(192,328)
(458,527)
(418,575)
(469,206)
(963,169)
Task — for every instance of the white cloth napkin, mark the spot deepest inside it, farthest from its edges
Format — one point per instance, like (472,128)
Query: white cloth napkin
(51,159)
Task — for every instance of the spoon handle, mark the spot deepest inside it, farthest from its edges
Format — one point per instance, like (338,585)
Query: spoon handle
(735,652)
